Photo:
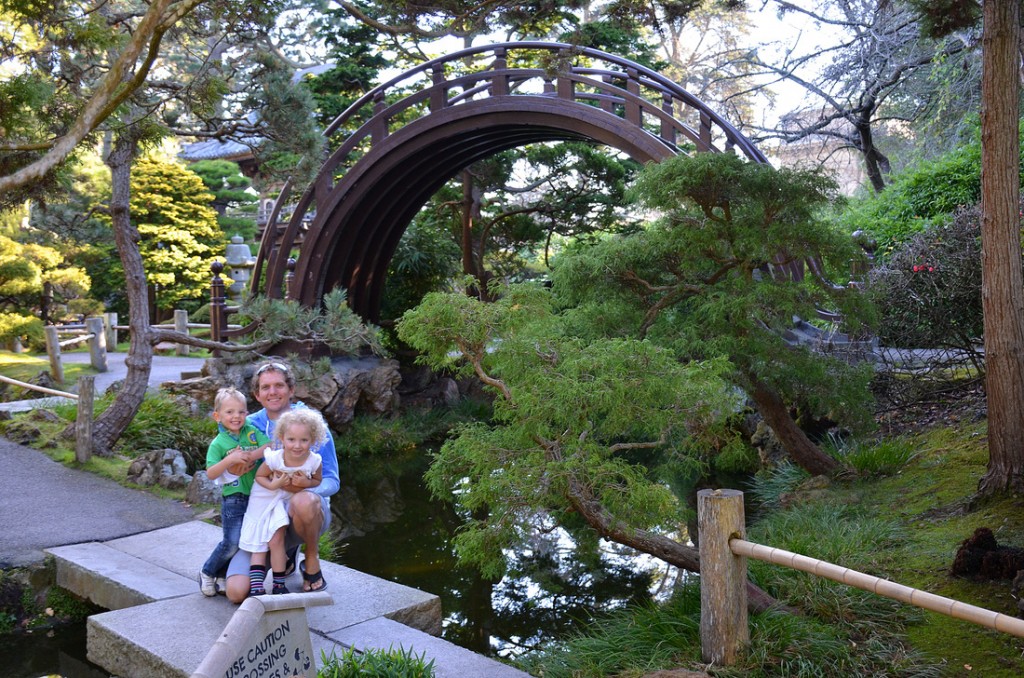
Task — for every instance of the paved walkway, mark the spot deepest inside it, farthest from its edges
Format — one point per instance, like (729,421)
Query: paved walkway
(47,504)
(164,368)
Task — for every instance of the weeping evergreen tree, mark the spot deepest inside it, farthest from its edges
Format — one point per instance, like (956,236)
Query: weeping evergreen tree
(589,435)
(715,277)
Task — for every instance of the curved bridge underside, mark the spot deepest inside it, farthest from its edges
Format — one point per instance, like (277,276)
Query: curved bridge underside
(353,216)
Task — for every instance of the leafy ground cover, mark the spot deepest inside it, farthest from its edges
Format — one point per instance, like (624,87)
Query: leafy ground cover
(903,522)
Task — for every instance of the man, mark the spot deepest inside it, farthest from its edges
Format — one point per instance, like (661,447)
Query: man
(273,386)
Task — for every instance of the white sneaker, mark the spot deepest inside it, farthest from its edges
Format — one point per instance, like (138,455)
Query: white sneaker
(222,585)
(207,584)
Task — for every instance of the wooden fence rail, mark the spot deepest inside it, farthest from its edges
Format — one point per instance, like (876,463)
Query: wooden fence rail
(723,553)
(83,422)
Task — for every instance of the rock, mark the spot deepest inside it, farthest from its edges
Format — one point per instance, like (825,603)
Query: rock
(22,432)
(450,394)
(202,490)
(166,468)
(44,415)
(369,385)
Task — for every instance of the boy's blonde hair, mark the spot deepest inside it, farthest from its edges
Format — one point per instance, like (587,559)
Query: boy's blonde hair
(302,416)
(228,393)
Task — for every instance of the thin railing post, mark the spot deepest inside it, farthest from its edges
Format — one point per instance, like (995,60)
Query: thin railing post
(111,323)
(53,351)
(83,424)
(724,632)
(97,344)
(181,325)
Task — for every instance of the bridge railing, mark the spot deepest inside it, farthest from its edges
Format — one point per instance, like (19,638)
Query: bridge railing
(724,630)
(608,82)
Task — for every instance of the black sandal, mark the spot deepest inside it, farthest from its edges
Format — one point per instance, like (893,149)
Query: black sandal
(292,556)
(312,580)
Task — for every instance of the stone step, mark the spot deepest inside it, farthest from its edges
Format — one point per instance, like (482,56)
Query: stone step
(113,579)
(159,624)
(168,638)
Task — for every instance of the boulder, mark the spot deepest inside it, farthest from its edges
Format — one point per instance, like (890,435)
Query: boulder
(202,490)
(166,468)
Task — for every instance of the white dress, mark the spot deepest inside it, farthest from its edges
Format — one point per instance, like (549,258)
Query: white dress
(268,509)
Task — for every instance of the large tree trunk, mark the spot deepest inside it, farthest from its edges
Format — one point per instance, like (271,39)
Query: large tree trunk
(1002,289)
(112,423)
(802,451)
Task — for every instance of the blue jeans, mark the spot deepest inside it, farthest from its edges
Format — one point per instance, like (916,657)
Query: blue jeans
(232,510)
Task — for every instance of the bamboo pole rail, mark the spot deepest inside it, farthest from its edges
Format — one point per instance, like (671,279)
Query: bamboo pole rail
(41,389)
(882,587)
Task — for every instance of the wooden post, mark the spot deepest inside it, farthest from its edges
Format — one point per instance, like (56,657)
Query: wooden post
(724,632)
(97,344)
(53,351)
(181,325)
(111,329)
(83,424)
(218,316)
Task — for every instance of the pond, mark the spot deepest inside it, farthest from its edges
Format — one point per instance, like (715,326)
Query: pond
(387,524)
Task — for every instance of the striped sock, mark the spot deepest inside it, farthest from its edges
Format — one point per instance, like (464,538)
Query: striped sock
(257,573)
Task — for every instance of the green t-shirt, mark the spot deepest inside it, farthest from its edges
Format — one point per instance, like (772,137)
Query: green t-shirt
(249,438)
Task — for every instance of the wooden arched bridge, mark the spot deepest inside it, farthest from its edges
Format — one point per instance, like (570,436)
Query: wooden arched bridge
(421,128)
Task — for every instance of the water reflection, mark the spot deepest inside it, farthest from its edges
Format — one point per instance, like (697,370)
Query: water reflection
(60,651)
(391,527)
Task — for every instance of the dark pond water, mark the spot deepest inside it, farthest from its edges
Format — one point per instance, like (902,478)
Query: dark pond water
(387,525)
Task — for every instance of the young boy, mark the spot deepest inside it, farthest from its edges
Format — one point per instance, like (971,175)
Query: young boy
(231,462)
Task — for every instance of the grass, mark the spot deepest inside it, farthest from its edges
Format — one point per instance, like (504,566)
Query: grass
(24,367)
(902,519)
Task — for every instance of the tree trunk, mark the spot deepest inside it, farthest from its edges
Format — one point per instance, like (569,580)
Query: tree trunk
(112,423)
(876,164)
(1002,288)
(802,451)
(686,557)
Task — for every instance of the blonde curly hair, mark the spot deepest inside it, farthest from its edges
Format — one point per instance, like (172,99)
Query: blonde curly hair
(302,416)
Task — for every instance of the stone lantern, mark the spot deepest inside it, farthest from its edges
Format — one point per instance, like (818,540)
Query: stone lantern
(240,263)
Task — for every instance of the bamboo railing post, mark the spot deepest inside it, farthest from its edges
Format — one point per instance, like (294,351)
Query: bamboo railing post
(724,632)
(53,351)
(111,323)
(83,423)
(97,344)
(181,325)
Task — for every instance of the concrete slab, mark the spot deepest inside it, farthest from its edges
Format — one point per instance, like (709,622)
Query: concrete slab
(184,548)
(359,597)
(165,639)
(181,548)
(450,660)
(115,580)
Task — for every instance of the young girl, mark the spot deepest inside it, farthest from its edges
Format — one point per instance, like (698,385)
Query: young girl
(237,447)
(266,519)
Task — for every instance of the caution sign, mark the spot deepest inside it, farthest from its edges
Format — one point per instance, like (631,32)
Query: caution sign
(268,637)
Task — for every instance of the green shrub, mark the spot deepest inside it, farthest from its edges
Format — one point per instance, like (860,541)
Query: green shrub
(388,663)
(921,196)
(163,422)
(883,458)
(28,328)
(928,291)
